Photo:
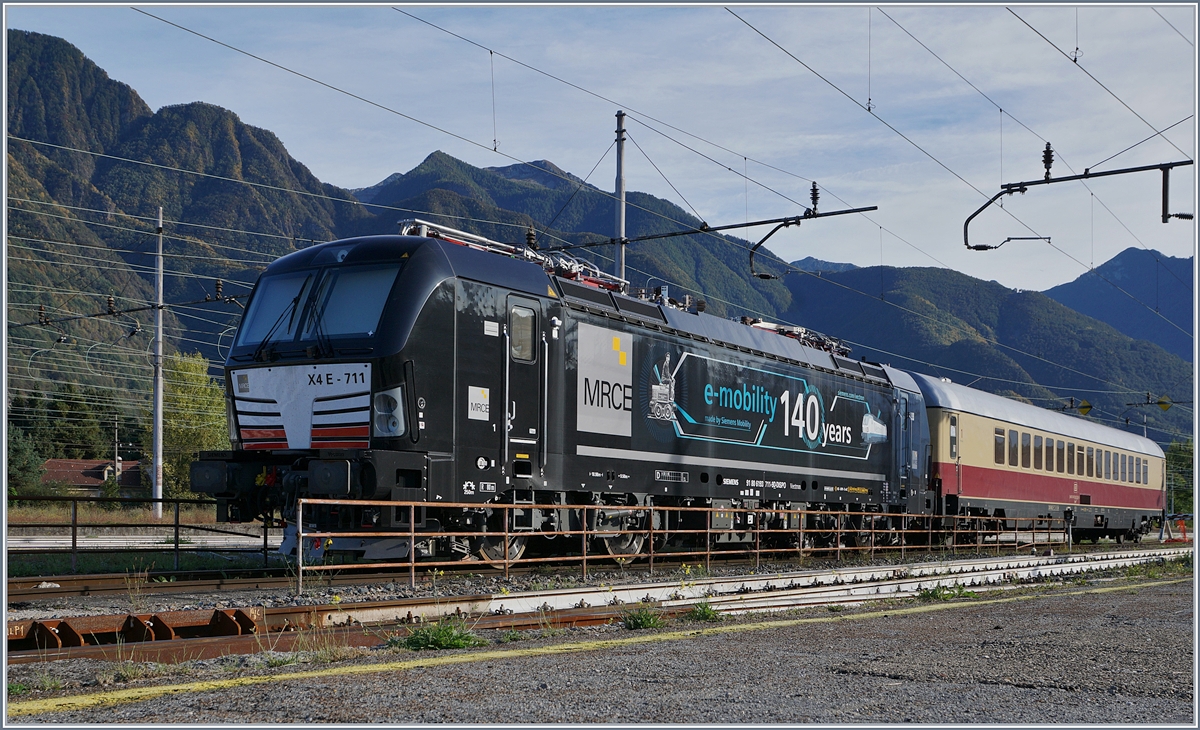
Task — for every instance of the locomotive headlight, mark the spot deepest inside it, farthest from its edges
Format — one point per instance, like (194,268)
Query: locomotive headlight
(231,421)
(389,413)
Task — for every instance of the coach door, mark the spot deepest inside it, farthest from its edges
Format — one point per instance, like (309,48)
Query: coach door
(524,370)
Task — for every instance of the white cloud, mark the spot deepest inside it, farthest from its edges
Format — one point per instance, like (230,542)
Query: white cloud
(701,69)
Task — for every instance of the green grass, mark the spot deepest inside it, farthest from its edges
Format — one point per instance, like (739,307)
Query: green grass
(16,689)
(1161,569)
(643,618)
(449,633)
(944,593)
(703,611)
(95,514)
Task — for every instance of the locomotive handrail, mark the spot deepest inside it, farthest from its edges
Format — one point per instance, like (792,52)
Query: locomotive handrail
(507,422)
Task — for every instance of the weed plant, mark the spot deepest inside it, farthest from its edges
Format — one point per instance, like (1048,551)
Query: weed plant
(944,593)
(449,633)
(643,618)
(704,611)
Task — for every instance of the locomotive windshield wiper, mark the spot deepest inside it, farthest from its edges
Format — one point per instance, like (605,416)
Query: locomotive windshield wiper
(289,311)
(316,313)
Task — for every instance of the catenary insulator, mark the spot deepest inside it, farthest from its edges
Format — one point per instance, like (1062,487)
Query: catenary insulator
(220,285)
(1047,159)
(112,305)
(531,239)
(815,196)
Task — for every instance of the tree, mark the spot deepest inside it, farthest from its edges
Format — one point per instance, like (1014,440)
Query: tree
(193,421)
(24,463)
(1180,456)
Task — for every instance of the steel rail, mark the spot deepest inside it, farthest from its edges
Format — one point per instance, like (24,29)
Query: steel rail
(258,629)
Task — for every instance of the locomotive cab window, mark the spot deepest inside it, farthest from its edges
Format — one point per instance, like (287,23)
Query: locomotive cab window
(523,325)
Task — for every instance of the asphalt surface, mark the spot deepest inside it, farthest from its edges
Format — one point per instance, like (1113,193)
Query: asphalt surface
(1096,651)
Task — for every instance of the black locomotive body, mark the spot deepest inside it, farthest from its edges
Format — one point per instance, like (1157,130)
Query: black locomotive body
(422,368)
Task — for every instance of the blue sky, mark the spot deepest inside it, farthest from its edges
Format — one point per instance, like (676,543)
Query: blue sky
(704,71)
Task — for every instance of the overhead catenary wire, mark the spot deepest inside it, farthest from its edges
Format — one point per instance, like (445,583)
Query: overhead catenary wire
(1181,35)
(1027,128)
(663,175)
(386,108)
(1076,63)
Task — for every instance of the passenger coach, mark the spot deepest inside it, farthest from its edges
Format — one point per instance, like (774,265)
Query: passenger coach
(999,458)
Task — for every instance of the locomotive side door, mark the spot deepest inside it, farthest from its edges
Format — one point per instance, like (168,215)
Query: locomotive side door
(524,369)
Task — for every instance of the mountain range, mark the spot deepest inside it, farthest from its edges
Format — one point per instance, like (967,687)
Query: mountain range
(90,164)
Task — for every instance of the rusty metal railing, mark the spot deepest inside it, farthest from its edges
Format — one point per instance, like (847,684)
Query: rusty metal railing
(831,533)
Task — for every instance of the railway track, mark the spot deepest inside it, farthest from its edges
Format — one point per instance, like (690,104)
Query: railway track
(184,635)
(167,582)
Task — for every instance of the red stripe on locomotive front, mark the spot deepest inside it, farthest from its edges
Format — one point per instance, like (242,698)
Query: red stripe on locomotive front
(340,431)
(263,433)
(999,484)
(341,444)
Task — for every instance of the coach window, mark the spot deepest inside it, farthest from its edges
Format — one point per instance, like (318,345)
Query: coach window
(1013,448)
(1070,458)
(953,437)
(999,446)
(1037,452)
(1079,460)
(523,325)
(1025,450)
(1137,470)
(1122,477)
(1145,471)
(1049,454)
(1091,460)
(1062,456)
(1103,465)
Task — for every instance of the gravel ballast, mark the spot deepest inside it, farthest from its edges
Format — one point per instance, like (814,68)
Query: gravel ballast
(1078,652)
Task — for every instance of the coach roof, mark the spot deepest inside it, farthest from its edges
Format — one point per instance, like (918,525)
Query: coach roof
(944,394)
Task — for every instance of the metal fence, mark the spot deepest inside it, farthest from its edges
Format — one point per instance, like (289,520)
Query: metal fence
(177,540)
(1005,534)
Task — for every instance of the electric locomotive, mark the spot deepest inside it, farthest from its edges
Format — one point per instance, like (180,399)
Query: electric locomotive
(425,367)
(440,367)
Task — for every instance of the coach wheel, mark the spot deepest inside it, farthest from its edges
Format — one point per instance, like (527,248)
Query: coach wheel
(491,547)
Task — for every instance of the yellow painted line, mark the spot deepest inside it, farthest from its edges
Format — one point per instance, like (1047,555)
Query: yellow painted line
(139,694)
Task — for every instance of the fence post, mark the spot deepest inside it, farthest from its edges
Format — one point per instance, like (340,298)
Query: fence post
(266,545)
(412,545)
(177,534)
(585,542)
(300,547)
(757,539)
(507,516)
(651,518)
(74,535)
(708,543)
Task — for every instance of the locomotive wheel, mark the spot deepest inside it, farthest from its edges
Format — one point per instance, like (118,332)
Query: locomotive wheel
(491,548)
(622,545)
